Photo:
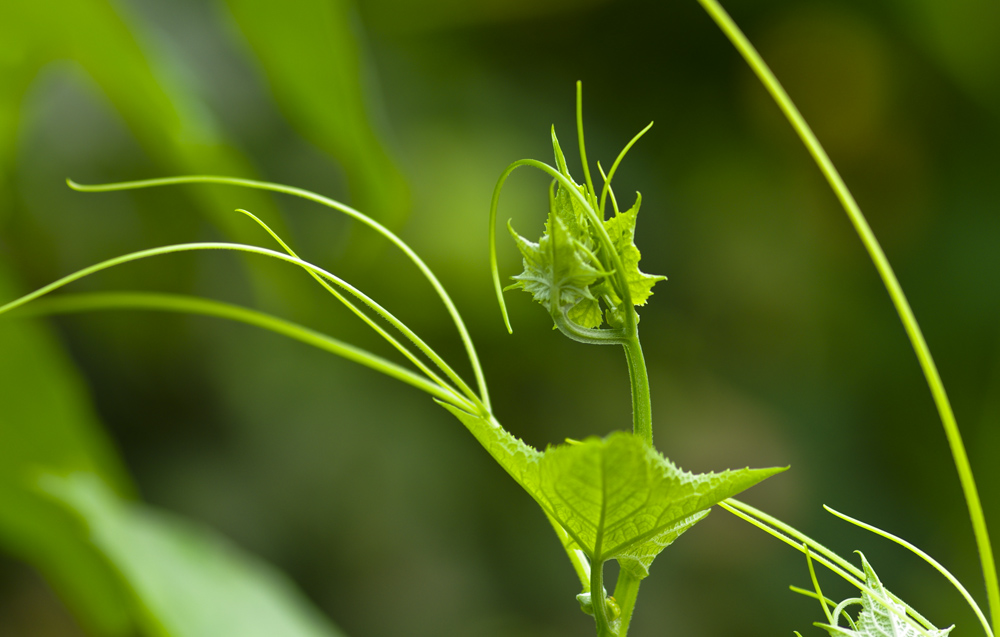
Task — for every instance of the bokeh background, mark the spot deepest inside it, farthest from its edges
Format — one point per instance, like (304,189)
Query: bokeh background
(772,342)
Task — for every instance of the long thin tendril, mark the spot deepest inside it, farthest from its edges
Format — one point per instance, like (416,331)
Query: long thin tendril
(407,332)
(913,331)
(186,247)
(86,302)
(336,205)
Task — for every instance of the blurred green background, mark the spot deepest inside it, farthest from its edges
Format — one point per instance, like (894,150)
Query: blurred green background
(772,343)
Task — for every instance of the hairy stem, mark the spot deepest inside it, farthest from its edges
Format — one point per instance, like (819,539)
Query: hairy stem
(604,628)
(913,331)
(642,415)
(626,592)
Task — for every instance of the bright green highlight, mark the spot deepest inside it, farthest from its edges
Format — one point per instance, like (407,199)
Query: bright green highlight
(885,271)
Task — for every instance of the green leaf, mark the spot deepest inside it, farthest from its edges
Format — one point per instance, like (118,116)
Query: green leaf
(142,77)
(310,54)
(188,581)
(617,497)
(875,618)
(637,559)
(621,229)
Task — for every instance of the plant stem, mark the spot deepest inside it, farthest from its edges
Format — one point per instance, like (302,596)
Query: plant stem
(604,628)
(871,244)
(626,592)
(642,414)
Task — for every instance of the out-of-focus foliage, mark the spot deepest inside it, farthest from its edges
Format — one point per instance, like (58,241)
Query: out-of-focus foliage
(772,336)
(47,421)
(186,581)
(312,59)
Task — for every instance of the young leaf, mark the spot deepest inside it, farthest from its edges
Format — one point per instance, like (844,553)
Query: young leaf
(876,619)
(558,274)
(567,207)
(568,258)
(621,229)
(618,497)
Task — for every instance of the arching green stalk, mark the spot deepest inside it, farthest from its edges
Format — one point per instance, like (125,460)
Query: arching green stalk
(186,247)
(583,147)
(87,302)
(885,271)
(407,332)
(336,205)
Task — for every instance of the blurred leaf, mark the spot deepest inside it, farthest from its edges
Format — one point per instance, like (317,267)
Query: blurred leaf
(310,52)
(962,37)
(166,116)
(414,15)
(46,421)
(188,581)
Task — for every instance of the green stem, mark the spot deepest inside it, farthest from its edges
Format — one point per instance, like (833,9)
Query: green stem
(604,628)
(626,592)
(930,371)
(186,247)
(642,415)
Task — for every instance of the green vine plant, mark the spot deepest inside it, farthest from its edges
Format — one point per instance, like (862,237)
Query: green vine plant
(612,498)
